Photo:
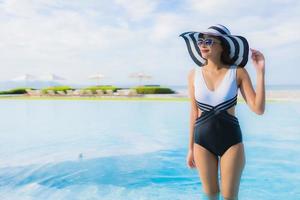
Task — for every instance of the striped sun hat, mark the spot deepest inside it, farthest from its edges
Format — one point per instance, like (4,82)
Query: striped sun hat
(237,45)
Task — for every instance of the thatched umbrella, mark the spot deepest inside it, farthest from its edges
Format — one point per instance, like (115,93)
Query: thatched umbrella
(97,77)
(140,76)
(26,78)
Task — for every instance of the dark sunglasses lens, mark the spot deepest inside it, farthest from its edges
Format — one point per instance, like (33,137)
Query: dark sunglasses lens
(208,42)
(200,42)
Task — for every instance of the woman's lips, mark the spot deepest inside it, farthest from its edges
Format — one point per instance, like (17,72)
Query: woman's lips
(204,50)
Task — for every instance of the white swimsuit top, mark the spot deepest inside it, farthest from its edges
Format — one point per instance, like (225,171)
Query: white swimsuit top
(222,98)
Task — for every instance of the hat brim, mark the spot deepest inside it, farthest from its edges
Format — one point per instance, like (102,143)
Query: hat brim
(238,47)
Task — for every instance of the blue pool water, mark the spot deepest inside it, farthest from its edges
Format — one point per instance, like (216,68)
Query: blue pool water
(134,150)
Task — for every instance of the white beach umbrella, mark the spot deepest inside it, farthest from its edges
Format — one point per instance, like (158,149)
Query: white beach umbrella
(97,77)
(24,77)
(52,77)
(140,76)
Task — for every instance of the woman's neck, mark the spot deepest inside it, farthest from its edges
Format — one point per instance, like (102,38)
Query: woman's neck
(214,65)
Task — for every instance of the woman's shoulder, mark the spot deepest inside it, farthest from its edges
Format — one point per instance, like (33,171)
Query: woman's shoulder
(191,75)
(241,72)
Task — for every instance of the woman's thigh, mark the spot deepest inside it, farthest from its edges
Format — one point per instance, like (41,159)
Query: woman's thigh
(207,165)
(232,163)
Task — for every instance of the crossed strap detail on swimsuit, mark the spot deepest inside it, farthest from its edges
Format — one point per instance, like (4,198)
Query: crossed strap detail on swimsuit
(209,110)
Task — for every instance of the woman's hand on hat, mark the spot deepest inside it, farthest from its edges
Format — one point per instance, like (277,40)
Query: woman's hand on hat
(258,60)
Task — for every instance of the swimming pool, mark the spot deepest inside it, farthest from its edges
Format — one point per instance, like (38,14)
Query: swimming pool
(134,150)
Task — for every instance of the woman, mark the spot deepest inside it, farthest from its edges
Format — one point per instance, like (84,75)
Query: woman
(215,134)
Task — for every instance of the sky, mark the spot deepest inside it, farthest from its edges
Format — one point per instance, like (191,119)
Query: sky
(76,39)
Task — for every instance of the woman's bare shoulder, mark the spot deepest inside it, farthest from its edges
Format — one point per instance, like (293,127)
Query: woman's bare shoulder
(191,74)
(241,72)
(191,84)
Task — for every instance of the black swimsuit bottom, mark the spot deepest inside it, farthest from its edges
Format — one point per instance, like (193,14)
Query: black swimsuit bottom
(216,129)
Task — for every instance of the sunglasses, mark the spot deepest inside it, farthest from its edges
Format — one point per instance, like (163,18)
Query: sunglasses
(207,42)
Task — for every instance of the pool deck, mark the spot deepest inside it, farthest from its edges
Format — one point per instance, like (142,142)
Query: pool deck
(271,96)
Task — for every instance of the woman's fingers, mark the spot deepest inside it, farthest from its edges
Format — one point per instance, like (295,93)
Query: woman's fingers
(191,164)
(254,50)
(256,54)
(194,165)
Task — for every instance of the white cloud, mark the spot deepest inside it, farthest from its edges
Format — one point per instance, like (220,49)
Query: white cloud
(79,38)
(18,8)
(208,8)
(166,26)
(138,9)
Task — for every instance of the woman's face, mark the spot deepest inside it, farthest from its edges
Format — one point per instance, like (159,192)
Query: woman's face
(211,51)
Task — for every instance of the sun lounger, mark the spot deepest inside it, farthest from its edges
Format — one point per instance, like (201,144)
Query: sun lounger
(51,92)
(127,92)
(85,93)
(69,92)
(109,92)
(29,92)
(33,92)
(81,92)
(123,92)
(76,92)
(61,93)
(133,92)
(88,93)
(117,93)
(99,92)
